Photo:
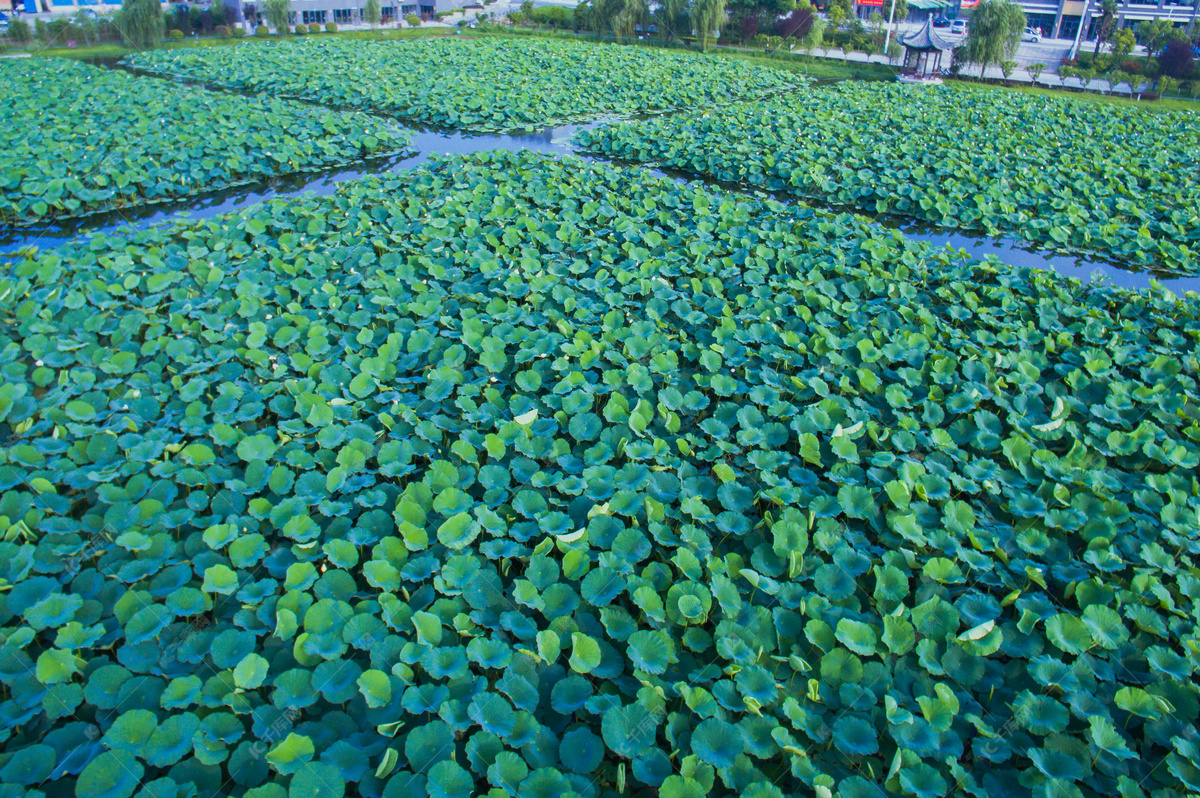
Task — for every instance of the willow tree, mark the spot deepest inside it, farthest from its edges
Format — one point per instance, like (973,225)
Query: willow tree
(278,14)
(619,16)
(141,22)
(707,17)
(995,32)
(674,16)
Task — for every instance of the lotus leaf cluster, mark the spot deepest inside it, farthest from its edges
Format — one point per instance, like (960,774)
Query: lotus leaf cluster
(1105,180)
(79,139)
(481,85)
(512,476)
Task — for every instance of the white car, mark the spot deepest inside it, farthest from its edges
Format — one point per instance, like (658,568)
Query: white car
(958,27)
(1032,35)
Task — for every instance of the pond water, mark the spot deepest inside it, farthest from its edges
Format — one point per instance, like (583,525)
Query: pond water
(554,141)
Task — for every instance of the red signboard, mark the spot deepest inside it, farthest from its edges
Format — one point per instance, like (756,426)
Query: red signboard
(870,2)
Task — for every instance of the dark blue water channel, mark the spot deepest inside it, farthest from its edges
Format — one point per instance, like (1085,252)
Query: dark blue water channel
(555,141)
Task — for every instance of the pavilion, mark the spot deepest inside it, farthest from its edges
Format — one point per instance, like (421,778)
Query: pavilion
(923,55)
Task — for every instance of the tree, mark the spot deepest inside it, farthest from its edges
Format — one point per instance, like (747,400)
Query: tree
(1007,67)
(673,18)
(372,12)
(707,16)
(1176,60)
(278,12)
(838,11)
(1122,43)
(815,35)
(141,22)
(995,32)
(1108,20)
(836,16)
(1035,71)
(1153,33)
(799,22)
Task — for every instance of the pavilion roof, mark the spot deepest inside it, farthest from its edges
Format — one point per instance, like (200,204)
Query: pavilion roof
(926,38)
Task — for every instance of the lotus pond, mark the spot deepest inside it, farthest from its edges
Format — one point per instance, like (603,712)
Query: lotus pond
(79,139)
(521,476)
(1063,174)
(482,85)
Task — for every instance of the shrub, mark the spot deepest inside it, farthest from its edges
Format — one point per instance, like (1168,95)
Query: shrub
(1150,68)
(442,15)
(552,17)
(221,31)
(413,20)
(301,30)
(331,27)
(1131,67)
(19,32)
(314,27)
(1035,71)
(237,32)
(262,30)
(175,34)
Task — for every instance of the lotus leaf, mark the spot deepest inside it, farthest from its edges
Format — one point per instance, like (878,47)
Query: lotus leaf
(1060,173)
(258,580)
(82,139)
(474,84)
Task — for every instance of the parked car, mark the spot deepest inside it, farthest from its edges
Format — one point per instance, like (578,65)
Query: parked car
(941,22)
(958,27)
(1032,35)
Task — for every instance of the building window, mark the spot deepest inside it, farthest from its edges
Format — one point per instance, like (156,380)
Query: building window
(406,10)
(387,14)
(343,15)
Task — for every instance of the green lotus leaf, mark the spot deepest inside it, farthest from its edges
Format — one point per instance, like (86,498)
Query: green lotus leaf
(316,780)
(56,667)
(30,766)
(651,651)
(427,745)
(507,772)
(113,774)
(458,531)
(628,730)
(220,579)
(1137,701)
(717,742)
(291,754)
(857,636)
(131,731)
(251,672)
(172,740)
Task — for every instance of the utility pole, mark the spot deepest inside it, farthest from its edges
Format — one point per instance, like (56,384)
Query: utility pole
(887,40)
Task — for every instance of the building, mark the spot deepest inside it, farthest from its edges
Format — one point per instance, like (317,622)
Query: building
(1061,19)
(303,11)
(1058,19)
(345,12)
